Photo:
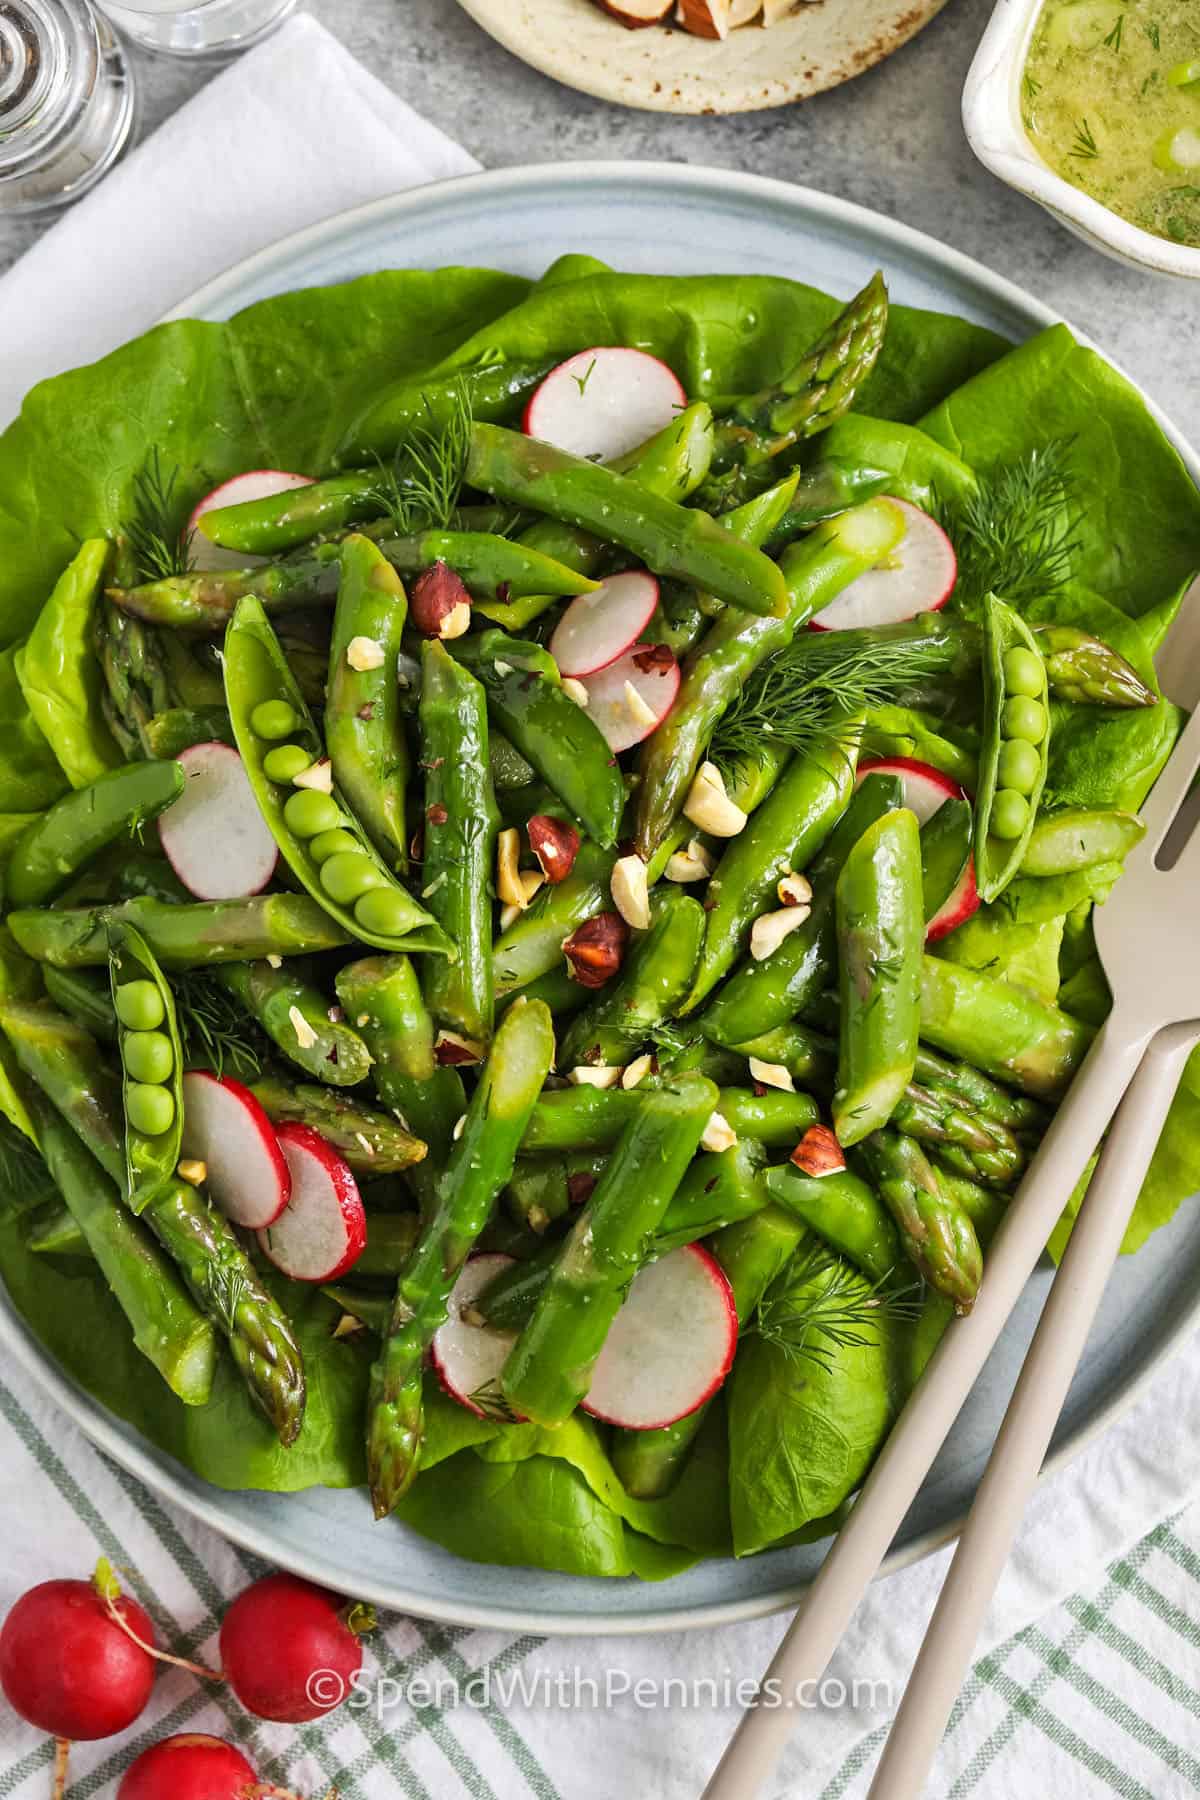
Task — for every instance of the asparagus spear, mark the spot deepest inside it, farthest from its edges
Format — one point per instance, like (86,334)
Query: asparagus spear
(934,1229)
(322,1046)
(181,936)
(66,1064)
(977,1147)
(373,1143)
(479,1165)
(550,1365)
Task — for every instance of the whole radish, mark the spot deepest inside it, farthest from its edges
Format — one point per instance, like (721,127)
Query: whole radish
(189,1767)
(290,1650)
(66,1664)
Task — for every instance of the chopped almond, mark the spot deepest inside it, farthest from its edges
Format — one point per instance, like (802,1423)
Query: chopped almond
(363,653)
(709,807)
(597,1075)
(451,1049)
(818,1152)
(769,929)
(705,18)
(630,891)
(772,1075)
(718,1133)
(794,890)
(635,15)
(318,776)
(508,875)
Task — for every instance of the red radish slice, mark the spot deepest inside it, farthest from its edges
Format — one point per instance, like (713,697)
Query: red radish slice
(601,403)
(671,1345)
(225,1128)
(256,484)
(321,1231)
(925,788)
(598,627)
(917,577)
(214,836)
(468,1358)
(625,718)
(957,907)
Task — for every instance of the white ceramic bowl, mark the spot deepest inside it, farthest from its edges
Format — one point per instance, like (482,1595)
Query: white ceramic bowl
(992,118)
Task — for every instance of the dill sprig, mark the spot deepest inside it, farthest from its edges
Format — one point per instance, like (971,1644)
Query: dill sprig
(159,548)
(419,488)
(490,1400)
(215,1031)
(1015,534)
(805,693)
(1083,145)
(821,1304)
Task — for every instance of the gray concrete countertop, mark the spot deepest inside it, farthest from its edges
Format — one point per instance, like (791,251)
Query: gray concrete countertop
(892,140)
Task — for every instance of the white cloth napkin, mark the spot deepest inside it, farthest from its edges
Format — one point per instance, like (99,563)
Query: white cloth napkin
(292,132)
(1098,1698)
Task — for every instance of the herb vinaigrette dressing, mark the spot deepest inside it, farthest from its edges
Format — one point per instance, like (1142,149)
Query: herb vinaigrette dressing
(1110,97)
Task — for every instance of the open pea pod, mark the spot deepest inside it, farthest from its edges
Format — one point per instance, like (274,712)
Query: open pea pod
(323,843)
(1015,748)
(945,852)
(151,1065)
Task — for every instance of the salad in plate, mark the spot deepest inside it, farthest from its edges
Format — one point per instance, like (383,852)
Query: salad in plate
(550,833)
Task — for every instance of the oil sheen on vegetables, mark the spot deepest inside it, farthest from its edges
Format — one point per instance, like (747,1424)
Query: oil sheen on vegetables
(1110,97)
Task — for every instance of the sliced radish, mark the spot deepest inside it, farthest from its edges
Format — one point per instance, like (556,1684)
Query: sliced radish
(214,836)
(322,1230)
(917,577)
(671,1345)
(226,1129)
(601,403)
(598,627)
(957,907)
(256,484)
(469,1357)
(632,696)
(925,788)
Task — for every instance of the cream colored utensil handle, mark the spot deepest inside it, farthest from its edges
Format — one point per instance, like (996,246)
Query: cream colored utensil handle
(1033,1411)
(915,1439)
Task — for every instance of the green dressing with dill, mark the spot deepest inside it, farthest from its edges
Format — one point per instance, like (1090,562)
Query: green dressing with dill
(1110,97)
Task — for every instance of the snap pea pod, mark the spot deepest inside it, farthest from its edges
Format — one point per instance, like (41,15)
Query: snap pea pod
(541,1188)
(510,771)
(671,464)
(66,1064)
(151,1066)
(391,1240)
(85,996)
(549,1368)
(526,699)
(373,1143)
(478,1167)
(784,835)
(1000,1028)
(653,979)
(169,733)
(460,826)
(752,1253)
(322,843)
(282,521)
(53,1229)
(182,937)
(294,1013)
(808,1056)
(937,1234)
(588,1118)
(1016,746)
(82,824)
(167,1326)
(945,851)
(493,390)
(903,731)
(814,573)
(762,995)
(364,733)
(205,601)
(911,465)
(880,934)
(848,1214)
(382,998)
(672,540)
(822,492)
(370,1310)
(1072,838)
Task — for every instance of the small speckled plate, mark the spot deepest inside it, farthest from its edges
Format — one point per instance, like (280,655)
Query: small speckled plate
(665,69)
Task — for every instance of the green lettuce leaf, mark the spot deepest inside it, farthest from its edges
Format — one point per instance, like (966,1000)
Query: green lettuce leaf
(60,676)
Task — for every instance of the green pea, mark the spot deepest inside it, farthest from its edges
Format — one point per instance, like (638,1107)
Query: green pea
(140,1005)
(1010,814)
(350,874)
(149,1108)
(1024,672)
(334,843)
(285,762)
(308,812)
(273,719)
(1019,766)
(1023,718)
(382,911)
(148,1055)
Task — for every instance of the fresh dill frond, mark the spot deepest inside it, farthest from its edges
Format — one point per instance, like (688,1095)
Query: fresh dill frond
(804,694)
(1015,535)
(159,548)
(1083,145)
(1113,40)
(1152,33)
(215,1030)
(821,1304)
(492,1403)
(419,489)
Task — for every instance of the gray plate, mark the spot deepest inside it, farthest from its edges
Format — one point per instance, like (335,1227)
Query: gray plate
(686,221)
